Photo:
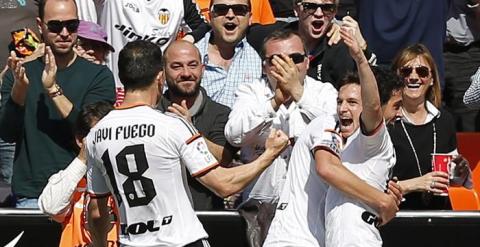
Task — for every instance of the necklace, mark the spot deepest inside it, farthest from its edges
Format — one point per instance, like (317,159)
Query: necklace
(413,148)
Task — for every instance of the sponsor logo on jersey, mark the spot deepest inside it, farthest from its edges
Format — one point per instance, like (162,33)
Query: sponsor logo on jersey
(370,218)
(319,72)
(127,32)
(282,206)
(143,227)
(132,6)
(163,16)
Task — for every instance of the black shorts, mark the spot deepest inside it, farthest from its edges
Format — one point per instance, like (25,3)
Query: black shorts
(199,243)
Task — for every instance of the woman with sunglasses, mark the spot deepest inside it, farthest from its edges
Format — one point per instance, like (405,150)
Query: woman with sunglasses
(422,130)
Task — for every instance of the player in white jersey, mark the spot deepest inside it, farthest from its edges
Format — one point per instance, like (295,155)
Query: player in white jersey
(139,154)
(315,166)
(158,21)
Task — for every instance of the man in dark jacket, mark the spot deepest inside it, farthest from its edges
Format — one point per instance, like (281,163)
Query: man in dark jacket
(186,98)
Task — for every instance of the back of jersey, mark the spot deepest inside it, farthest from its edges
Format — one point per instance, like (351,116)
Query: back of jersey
(138,153)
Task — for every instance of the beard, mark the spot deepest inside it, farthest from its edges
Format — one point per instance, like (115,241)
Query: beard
(181,92)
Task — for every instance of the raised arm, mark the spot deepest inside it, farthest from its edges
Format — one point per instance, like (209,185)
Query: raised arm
(372,115)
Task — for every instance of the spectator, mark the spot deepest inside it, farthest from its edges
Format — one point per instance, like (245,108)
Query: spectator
(64,198)
(144,159)
(15,15)
(229,60)
(423,130)
(156,21)
(463,44)
(472,95)
(286,99)
(391,25)
(186,98)
(40,121)
(315,18)
(261,11)
(92,42)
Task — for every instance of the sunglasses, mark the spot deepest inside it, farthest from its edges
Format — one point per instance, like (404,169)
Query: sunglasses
(296,58)
(56,26)
(311,8)
(222,9)
(422,71)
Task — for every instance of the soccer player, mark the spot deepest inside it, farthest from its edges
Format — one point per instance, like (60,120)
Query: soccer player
(316,164)
(140,154)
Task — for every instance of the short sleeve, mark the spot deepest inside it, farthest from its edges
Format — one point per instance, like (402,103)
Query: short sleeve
(96,184)
(196,156)
(323,134)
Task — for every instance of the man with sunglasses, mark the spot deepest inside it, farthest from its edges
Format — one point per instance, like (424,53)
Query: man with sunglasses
(328,63)
(229,60)
(42,98)
(285,99)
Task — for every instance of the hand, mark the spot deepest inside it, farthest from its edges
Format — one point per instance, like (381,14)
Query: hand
(460,173)
(87,54)
(287,76)
(387,210)
(50,71)
(181,110)
(350,23)
(334,34)
(16,65)
(277,141)
(395,190)
(352,44)
(434,182)
(82,154)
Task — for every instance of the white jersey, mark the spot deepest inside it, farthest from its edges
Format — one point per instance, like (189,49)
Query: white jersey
(349,222)
(158,21)
(299,218)
(139,154)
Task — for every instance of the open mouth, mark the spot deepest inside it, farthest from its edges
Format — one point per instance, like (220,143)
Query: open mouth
(317,24)
(346,121)
(230,26)
(413,85)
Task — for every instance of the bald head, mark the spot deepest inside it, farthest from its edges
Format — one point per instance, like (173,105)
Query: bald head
(184,47)
(183,69)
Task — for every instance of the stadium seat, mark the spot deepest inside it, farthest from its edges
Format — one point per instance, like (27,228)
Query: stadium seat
(467,144)
(463,199)
(476,177)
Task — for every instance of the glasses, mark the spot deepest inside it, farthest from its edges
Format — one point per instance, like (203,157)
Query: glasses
(296,58)
(56,26)
(311,8)
(222,9)
(422,71)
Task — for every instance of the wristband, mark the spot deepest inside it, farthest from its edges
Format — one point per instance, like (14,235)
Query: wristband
(58,91)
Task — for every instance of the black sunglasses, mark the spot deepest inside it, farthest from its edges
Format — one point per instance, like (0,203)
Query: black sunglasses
(422,71)
(56,26)
(222,9)
(296,58)
(310,8)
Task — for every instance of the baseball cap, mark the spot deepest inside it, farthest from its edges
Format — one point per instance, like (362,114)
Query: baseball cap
(93,31)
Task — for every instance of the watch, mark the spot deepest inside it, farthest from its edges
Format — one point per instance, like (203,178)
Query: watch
(58,91)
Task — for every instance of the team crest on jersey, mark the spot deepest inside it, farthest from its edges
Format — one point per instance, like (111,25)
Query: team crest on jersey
(163,16)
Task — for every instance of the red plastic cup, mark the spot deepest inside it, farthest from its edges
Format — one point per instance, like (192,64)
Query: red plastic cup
(441,162)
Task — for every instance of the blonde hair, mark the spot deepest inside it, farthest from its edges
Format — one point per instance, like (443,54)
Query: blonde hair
(434,93)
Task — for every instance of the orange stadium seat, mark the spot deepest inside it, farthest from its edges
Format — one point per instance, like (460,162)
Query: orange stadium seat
(476,177)
(468,144)
(463,199)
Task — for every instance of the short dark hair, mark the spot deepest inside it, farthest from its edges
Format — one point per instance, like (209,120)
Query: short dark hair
(281,34)
(41,7)
(139,62)
(387,82)
(89,114)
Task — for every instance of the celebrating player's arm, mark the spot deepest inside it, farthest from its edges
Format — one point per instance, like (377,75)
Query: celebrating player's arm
(227,181)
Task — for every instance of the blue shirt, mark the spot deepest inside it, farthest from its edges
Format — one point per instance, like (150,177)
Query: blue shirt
(222,84)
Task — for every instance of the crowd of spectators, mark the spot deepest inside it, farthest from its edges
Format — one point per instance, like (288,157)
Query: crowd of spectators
(235,69)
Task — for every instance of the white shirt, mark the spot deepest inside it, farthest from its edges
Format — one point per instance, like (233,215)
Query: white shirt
(300,215)
(157,21)
(139,154)
(370,158)
(252,118)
